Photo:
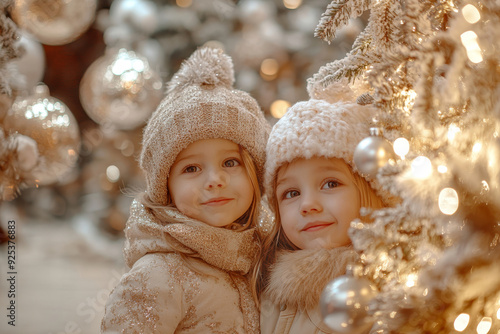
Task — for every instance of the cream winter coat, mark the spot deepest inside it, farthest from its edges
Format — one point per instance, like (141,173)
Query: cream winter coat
(185,277)
(290,304)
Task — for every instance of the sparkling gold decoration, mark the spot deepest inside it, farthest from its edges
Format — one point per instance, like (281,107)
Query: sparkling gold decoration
(51,124)
(120,90)
(54,22)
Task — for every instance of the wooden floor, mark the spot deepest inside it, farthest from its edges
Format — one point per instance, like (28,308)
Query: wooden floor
(64,273)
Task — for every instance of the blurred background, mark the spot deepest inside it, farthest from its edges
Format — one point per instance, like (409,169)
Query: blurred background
(104,65)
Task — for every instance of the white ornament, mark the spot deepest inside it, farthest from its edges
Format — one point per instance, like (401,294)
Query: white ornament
(121,11)
(141,14)
(145,17)
(120,90)
(54,22)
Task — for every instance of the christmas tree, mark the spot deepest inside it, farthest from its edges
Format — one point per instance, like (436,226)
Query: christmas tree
(433,70)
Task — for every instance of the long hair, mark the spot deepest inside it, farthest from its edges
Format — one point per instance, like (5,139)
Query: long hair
(277,240)
(246,221)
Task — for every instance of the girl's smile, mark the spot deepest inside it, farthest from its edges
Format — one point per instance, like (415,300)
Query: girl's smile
(317,200)
(219,201)
(315,226)
(209,182)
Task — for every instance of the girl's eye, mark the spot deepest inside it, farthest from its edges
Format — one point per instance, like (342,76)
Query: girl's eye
(291,194)
(231,163)
(331,184)
(191,169)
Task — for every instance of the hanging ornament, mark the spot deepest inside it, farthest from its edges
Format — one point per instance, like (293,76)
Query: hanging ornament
(54,22)
(120,90)
(345,303)
(141,14)
(373,153)
(50,123)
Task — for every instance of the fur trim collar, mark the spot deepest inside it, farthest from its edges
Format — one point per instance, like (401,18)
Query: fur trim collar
(298,278)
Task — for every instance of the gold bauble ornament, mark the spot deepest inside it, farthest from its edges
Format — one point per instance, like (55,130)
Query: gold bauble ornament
(54,22)
(51,124)
(120,90)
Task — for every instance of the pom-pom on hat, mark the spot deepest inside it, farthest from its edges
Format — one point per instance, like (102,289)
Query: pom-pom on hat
(316,128)
(201,103)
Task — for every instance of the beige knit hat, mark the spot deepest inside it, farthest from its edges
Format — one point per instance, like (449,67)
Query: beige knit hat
(201,103)
(317,128)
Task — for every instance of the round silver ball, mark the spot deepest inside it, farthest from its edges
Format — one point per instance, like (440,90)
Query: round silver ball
(345,302)
(371,154)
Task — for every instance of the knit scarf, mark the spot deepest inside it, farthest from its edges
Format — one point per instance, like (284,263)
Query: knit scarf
(226,249)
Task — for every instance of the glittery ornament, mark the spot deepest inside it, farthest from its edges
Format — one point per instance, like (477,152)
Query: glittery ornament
(50,123)
(54,22)
(344,305)
(373,153)
(120,90)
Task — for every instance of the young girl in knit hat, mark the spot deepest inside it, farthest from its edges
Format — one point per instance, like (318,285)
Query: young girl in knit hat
(313,186)
(191,238)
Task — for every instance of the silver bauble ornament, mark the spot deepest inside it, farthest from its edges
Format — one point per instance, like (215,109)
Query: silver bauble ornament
(50,123)
(54,22)
(344,305)
(120,90)
(372,153)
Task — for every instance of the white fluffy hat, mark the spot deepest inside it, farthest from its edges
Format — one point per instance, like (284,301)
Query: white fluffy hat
(317,128)
(201,103)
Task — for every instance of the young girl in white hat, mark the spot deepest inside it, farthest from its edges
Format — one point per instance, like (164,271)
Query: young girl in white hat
(312,184)
(191,237)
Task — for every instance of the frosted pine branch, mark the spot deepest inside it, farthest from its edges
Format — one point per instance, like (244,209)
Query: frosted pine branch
(337,14)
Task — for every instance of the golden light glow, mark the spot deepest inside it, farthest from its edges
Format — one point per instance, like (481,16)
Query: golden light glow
(452,132)
(412,278)
(498,314)
(461,322)
(184,3)
(471,14)
(279,108)
(269,69)
(469,41)
(485,185)
(421,167)
(442,169)
(477,147)
(476,150)
(401,147)
(484,325)
(448,201)
(112,173)
(292,4)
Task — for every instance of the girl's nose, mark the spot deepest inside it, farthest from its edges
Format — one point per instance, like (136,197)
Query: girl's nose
(310,204)
(216,179)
